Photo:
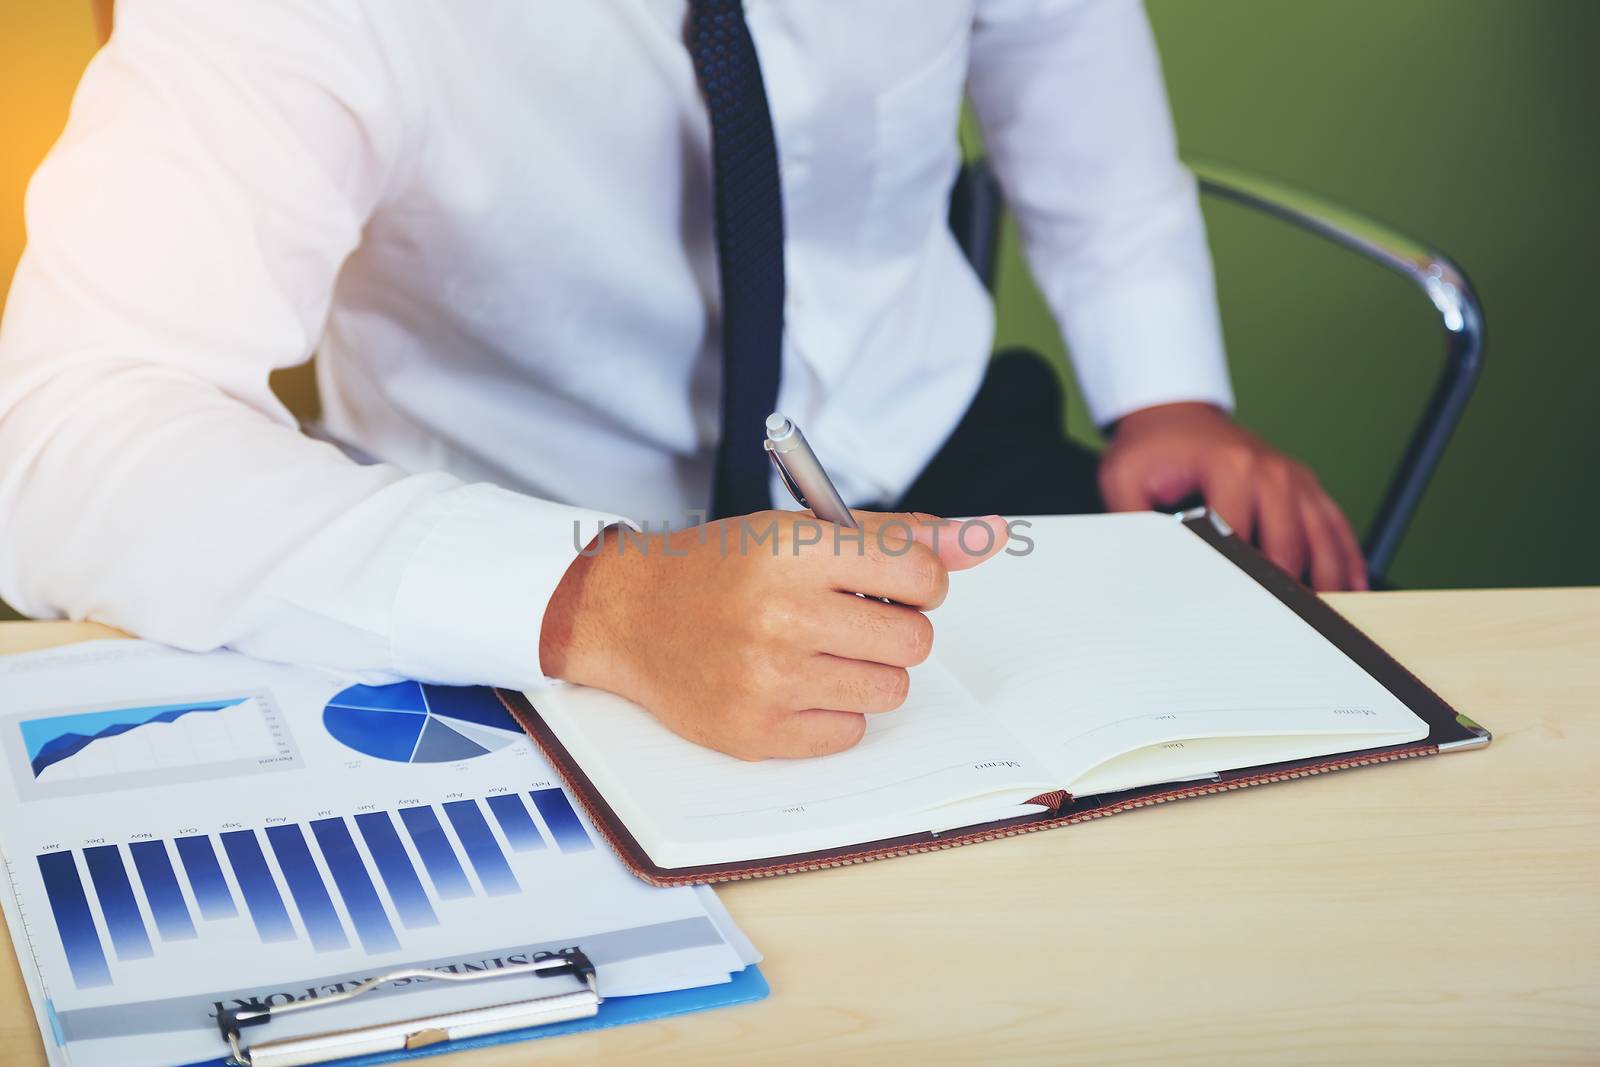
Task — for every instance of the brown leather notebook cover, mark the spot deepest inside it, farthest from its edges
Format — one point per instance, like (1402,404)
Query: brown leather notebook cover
(1447,730)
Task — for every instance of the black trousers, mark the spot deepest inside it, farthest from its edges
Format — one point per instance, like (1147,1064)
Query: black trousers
(1010,454)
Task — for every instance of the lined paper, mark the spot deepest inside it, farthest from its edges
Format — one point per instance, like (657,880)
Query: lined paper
(679,799)
(1122,651)
(1124,631)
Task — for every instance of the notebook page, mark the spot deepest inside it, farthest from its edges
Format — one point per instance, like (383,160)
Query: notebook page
(689,805)
(1118,632)
(1200,758)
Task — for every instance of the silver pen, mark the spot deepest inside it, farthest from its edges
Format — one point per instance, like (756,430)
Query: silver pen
(802,474)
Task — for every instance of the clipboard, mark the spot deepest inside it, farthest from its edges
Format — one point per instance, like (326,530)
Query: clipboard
(518,1018)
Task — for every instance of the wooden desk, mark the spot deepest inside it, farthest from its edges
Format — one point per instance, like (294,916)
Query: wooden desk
(1446,910)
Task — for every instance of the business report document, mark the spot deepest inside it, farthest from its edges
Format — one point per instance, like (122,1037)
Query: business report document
(184,832)
(1121,651)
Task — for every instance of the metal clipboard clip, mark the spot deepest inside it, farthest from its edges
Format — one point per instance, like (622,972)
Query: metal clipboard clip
(405,1034)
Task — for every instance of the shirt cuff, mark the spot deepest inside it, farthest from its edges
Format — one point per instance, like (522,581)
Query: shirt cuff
(472,598)
(1148,344)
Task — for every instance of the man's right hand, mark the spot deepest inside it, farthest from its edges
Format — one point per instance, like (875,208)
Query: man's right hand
(760,649)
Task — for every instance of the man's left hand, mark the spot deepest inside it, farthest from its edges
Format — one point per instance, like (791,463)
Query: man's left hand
(1160,455)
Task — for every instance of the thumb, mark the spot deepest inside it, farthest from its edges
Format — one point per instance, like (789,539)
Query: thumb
(1123,493)
(1122,485)
(1142,482)
(960,544)
(974,541)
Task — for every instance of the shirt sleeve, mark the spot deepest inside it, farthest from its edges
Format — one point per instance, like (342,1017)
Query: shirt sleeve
(1074,115)
(185,236)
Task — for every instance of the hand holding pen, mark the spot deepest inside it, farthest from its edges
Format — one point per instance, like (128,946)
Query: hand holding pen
(744,635)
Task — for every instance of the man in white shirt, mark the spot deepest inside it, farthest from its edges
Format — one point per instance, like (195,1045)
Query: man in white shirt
(499,225)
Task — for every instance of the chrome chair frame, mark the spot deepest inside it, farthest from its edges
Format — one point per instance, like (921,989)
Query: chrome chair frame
(977,205)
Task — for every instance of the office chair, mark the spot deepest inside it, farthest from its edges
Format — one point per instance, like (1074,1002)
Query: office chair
(977,206)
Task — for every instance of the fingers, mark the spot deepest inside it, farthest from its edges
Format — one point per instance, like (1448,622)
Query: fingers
(822,710)
(1353,565)
(1331,557)
(1355,562)
(1142,470)
(903,556)
(788,705)
(1277,504)
(960,544)
(852,685)
(908,573)
(1280,527)
(813,732)
(1228,492)
(853,627)
(974,540)
(908,557)
(1327,557)
(1122,489)
(1302,530)
(844,692)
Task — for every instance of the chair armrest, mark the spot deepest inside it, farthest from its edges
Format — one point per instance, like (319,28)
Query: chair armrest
(1447,289)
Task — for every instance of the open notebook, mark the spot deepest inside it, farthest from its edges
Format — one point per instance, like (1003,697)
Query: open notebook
(1124,658)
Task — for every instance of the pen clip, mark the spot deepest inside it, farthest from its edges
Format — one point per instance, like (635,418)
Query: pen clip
(784,476)
(405,1034)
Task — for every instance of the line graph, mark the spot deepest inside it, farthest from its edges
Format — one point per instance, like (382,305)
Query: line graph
(110,748)
(50,741)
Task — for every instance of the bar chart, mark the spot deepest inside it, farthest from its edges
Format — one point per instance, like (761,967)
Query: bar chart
(333,883)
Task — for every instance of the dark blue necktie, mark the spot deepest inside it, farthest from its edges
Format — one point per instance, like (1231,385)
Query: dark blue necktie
(749,214)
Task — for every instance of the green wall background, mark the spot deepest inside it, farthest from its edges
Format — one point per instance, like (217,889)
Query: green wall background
(1470,123)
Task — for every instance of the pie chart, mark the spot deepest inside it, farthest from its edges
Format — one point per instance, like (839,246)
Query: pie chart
(411,722)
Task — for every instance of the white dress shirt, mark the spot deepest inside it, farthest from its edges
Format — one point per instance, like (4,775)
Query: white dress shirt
(491,221)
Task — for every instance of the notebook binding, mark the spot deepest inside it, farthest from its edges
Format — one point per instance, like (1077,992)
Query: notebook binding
(578,786)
